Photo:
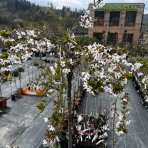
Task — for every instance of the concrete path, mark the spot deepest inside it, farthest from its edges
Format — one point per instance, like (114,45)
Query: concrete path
(16,118)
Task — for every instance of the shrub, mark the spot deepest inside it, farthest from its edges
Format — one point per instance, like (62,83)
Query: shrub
(36,63)
(41,106)
(20,69)
(9,77)
(15,73)
(4,55)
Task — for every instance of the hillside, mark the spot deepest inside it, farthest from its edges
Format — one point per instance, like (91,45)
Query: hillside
(145,23)
(145,18)
(17,11)
(22,13)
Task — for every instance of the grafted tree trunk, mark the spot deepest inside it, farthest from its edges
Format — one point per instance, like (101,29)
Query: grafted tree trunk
(69,80)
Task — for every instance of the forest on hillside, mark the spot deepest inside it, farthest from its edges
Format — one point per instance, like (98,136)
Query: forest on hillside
(21,13)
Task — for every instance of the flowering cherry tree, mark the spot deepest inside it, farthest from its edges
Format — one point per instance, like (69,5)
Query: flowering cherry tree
(100,70)
(22,44)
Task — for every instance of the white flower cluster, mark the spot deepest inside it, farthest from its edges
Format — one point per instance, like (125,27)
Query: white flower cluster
(52,69)
(51,142)
(4,62)
(20,34)
(30,38)
(9,40)
(118,124)
(108,89)
(62,63)
(72,36)
(32,33)
(104,66)
(86,21)
(98,5)
(121,124)
(124,82)
(70,45)
(42,46)
(30,41)
(116,58)
(14,59)
(71,62)
(45,142)
(66,70)
(10,146)
(26,56)
(51,128)
(46,120)
(18,48)
(145,82)
(2,38)
(7,68)
(136,66)
(26,34)
(86,76)
(26,44)
(139,74)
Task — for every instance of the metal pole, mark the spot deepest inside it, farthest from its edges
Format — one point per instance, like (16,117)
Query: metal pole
(20,79)
(69,79)
(28,74)
(32,71)
(0,87)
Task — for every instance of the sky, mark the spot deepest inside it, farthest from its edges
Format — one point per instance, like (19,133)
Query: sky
(83,4)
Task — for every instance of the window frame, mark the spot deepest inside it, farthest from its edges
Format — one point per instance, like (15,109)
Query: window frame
(99,20)
(126,23)
(114,23)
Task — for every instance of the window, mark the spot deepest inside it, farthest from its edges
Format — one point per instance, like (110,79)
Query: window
(99,18)
(112,37)
(130,18)
(128,37)
(114,18)
(98,36)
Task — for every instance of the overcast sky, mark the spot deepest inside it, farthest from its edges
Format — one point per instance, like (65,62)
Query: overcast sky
(83,4)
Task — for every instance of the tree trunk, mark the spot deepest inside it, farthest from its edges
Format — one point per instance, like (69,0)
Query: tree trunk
(69,79)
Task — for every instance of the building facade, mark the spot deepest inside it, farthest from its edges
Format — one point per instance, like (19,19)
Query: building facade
(117,22)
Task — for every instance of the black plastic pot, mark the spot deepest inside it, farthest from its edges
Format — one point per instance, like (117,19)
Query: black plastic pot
(13,97)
